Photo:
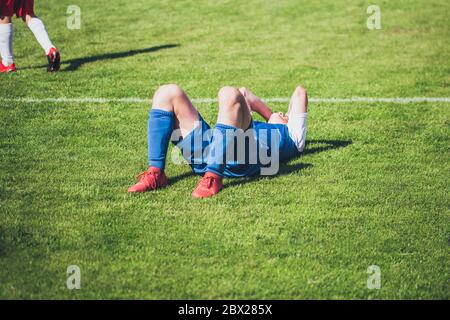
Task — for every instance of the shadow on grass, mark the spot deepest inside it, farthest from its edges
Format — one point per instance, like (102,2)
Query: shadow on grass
(74,64)
(175,179)
(285,168)
(327,145)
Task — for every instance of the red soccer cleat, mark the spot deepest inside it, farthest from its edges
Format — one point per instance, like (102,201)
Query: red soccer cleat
(6,69)
(54,60)
(208,186)
(151,179)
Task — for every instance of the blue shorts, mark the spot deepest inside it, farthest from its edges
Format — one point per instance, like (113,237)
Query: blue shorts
(270,139)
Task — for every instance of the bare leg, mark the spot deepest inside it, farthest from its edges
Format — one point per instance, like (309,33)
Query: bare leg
(171,110)
(233,109)
(5,20)
(256,104)
(299,102)
(172,98)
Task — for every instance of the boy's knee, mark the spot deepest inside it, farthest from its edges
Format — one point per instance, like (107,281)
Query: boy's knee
(168,92)
(300,91)
(229,96)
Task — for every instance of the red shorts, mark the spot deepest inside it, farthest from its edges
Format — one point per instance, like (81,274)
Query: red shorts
(19,7)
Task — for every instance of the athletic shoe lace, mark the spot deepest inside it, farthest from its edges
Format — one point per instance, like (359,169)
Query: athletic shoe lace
(207,182)
(148,176)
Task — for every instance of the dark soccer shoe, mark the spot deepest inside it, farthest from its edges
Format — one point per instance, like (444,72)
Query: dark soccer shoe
(54,60)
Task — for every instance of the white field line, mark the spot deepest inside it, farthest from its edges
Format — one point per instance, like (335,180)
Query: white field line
(399,100)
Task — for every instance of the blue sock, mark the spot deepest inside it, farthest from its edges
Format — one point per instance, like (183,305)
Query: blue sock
(160,127)
(218,148)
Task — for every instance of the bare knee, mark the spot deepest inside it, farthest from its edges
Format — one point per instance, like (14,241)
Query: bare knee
(169,90)
(167,93)
(229,96)
(300,92)
(233,109)
(299,101)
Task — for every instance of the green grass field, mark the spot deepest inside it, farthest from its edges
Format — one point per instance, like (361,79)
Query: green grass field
(372,187)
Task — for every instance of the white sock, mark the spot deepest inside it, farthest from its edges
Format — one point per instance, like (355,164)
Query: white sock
(37,27)
(6,48)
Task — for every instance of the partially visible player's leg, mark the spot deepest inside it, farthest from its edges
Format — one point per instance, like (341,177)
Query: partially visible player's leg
(171,110)
(297,114)
(5,19)
(6,36)
(256,104)
(26,11)
(233,109)
(172,98)
(40,33)
(299,102)
(234,113)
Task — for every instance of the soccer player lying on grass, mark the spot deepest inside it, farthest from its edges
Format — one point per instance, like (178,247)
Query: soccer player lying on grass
(23,9)
(238,146)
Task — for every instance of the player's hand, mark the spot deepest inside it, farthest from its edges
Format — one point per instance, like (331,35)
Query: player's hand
(278,118)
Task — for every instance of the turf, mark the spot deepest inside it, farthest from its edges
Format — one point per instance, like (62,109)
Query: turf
(370,189)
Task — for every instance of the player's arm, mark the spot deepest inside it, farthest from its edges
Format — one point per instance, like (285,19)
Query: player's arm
(256,104)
